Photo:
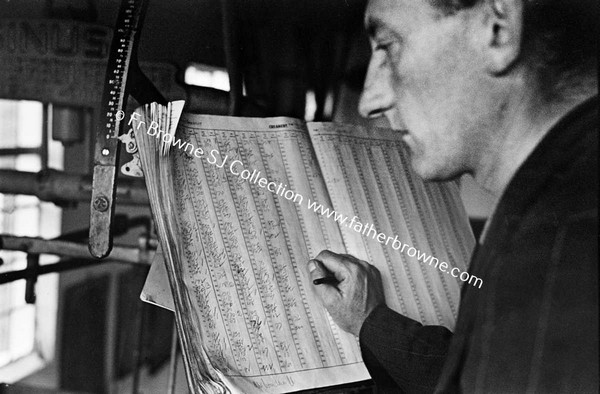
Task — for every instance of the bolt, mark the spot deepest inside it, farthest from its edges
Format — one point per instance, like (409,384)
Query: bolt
(101,204)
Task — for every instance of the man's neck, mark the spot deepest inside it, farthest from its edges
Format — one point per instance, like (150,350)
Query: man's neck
(526,121)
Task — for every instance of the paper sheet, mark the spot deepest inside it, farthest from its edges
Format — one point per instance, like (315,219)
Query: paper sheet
(246,243)
(253,203)
(371,182)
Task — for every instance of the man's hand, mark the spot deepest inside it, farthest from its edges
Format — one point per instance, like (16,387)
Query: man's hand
(357,292)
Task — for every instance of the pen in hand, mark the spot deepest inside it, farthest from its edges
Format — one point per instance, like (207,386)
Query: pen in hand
(328,280)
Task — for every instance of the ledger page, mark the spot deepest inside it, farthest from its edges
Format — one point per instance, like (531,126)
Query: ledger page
(242,190)
(392,219)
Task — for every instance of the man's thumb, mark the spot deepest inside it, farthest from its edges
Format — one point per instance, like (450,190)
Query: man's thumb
(324,283)
(316,269)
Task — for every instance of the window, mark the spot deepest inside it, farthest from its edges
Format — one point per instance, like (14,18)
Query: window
(27,331)
(207,76)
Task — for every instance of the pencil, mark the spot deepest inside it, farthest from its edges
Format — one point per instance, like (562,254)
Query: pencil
(328,280)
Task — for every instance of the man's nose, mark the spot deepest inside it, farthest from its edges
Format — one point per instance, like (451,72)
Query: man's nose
(378,95)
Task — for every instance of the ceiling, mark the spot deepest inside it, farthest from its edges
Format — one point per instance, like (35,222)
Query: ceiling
(282,47)
(182,31)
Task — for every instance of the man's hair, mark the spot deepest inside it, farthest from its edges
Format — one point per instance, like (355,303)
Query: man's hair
(560,37)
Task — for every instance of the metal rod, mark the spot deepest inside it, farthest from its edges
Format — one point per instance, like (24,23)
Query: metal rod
(57,186)
(33,245)
(11,276)
(122,224)
(45,143)
(18,151)
(173,361)
(138,353)
(232,56)
(33,263)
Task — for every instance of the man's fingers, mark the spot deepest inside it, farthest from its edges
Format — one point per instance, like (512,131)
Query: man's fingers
(332,262)
(316,269)
(347,287)
(353,259)
(324,282)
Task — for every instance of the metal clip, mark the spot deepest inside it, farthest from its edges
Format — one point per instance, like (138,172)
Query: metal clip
(134,167)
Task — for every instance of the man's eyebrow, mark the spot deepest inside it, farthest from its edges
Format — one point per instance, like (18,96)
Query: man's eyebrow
(373,25)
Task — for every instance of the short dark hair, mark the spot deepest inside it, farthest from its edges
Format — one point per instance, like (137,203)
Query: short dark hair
(560,37)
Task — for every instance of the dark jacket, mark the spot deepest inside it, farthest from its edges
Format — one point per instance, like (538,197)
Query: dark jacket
(533,325)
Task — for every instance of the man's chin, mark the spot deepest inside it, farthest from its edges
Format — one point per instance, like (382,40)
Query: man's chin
(433,172)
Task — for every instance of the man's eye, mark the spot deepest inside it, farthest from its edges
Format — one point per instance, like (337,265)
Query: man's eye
(384,46)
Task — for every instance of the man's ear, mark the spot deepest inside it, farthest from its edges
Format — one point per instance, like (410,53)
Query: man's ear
(503,34)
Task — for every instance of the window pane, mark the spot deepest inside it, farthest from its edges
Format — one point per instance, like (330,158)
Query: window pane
(26,328)
(208,76)
(21,125)
(30,118)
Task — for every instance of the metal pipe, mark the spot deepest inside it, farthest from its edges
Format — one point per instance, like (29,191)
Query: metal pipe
(138,357)
(173,361)
(18,151)
(45,148)
(28,273)
(65,265)
(33,263)
(60,187)
(231,44)
(31,245)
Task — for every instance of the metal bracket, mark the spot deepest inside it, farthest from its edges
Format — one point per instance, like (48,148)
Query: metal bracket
(123,76)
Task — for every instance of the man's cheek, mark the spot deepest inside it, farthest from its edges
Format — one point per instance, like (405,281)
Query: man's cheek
(414,115)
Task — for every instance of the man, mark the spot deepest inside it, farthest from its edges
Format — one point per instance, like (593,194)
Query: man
(503,90)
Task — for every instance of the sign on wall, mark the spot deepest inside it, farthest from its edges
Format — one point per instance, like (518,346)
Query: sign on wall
(64,62)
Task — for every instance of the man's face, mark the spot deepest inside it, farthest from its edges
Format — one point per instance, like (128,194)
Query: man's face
(425,76)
